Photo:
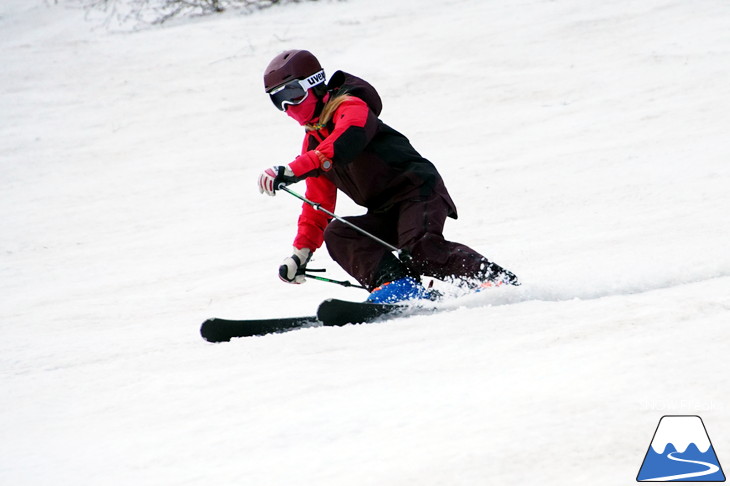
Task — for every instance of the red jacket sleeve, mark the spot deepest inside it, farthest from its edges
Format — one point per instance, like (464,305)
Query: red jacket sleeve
(354,127)
(310,229)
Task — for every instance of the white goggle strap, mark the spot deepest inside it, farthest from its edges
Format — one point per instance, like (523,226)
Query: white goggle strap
(313,80)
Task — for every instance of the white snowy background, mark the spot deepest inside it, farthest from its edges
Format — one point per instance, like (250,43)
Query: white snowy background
(586,145)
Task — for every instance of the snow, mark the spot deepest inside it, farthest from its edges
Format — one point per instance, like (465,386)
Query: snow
(585,144)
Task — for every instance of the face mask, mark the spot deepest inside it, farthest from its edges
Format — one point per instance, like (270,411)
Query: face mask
(303,112)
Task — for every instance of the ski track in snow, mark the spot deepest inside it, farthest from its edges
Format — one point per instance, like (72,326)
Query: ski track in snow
(544,292)
(586,148)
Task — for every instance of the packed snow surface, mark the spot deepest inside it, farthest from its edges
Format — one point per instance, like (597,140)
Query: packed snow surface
(585,144)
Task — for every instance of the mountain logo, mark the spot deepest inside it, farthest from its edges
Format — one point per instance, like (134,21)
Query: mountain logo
(681,451)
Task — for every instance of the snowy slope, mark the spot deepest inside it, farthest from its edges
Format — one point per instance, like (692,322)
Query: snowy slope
(585,144)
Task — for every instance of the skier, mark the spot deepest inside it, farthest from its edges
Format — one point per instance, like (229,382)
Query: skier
(347,147)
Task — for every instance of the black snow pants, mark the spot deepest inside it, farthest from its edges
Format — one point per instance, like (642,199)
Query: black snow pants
(415,226)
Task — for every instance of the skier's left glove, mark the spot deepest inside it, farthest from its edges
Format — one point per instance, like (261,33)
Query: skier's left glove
(292,268)
(270,179)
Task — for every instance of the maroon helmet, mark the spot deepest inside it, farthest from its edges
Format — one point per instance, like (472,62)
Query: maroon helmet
(290,65)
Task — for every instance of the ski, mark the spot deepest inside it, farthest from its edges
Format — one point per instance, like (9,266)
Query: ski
(335,312)
(331,312)
(216,330)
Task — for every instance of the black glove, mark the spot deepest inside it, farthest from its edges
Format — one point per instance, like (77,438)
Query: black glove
(292,269)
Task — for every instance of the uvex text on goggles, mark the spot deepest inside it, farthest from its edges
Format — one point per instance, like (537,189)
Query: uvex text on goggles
(295,91)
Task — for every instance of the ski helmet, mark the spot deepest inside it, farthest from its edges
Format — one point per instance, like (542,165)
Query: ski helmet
(290,65)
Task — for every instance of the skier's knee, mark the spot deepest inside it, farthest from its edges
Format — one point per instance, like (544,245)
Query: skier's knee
(334,230)
(430,247)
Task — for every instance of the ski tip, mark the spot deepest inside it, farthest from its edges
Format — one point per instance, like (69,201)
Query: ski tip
(216,330)
(213,333)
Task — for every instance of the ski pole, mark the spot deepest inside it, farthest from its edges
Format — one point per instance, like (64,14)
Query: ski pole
(344,283)
(402,254)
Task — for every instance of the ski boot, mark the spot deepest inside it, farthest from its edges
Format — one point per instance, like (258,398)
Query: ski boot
(400,290)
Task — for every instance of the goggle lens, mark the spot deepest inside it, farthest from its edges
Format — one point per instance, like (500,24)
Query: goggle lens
(291,93)
(294,92)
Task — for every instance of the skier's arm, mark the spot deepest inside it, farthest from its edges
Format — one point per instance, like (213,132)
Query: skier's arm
(311,224)
(355,126)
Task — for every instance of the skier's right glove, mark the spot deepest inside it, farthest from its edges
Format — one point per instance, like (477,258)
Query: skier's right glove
(292,268)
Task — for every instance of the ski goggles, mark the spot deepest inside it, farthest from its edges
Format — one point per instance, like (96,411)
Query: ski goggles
(294,92)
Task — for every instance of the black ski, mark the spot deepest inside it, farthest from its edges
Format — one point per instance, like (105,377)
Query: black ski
(331,312)
(335,312)
(218,330)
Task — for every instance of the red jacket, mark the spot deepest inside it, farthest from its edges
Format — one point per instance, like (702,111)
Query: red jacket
(356,152)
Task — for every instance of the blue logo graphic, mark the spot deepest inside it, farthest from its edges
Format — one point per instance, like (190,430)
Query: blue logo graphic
(681,451)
